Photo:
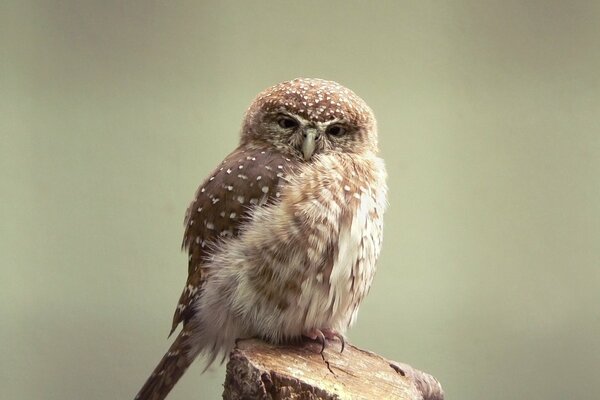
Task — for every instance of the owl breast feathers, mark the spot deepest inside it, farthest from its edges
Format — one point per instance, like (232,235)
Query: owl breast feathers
(284,235)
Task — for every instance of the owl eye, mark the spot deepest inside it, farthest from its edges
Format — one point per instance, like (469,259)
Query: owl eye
(336,130)
(287,122)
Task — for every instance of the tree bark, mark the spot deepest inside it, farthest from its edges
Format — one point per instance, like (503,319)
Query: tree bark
(258,370)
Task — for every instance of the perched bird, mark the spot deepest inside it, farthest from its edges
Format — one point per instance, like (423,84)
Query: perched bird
(284,234)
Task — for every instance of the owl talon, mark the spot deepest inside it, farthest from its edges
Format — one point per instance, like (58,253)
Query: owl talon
(332,334)
(323,335)
(323,341)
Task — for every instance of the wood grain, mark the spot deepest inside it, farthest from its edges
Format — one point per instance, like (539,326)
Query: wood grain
(258,370)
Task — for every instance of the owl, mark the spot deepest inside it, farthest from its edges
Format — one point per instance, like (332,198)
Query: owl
(284,235)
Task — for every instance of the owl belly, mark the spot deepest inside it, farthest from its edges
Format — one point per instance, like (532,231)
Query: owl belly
(329,297)
(306,262)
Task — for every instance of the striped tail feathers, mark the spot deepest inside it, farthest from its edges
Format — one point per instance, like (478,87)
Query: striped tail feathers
(170,368)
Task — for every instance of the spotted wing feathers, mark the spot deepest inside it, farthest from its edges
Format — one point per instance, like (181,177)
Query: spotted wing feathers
(246,179)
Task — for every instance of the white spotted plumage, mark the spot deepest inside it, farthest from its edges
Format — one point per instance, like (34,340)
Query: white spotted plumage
(284,236)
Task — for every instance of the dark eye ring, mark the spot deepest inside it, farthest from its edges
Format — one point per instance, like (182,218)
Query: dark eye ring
(336,130)
(287,122)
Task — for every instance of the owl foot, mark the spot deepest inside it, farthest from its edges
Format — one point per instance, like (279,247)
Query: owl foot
(332,334)
(321,335)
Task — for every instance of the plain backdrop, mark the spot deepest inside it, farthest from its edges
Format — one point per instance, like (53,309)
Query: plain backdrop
(112,113)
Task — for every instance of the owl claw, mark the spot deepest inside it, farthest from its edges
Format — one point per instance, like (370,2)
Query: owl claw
(322,340)
(332,334)
(322,335)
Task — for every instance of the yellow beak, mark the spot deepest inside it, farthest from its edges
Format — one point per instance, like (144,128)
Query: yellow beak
(309,144)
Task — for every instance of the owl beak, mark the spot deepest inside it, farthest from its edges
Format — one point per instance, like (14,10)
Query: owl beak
(309,144)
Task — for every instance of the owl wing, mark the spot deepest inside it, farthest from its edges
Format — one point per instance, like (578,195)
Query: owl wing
(246,179)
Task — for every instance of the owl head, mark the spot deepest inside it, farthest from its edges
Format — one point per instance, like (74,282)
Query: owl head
(304,118)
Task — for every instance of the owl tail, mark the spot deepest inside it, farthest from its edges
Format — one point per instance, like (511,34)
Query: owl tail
(168,371)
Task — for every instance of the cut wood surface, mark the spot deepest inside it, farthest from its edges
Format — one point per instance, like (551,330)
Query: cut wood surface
(258,370)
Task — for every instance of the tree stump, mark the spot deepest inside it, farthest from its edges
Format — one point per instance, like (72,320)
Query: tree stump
(258,370)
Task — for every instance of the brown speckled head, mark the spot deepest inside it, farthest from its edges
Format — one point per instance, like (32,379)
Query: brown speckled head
(311,103)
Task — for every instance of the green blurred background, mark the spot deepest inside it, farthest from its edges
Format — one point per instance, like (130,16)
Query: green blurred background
(111,113)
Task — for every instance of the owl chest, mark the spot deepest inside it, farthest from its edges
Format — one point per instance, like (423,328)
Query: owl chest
(342,259)
(309,260)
